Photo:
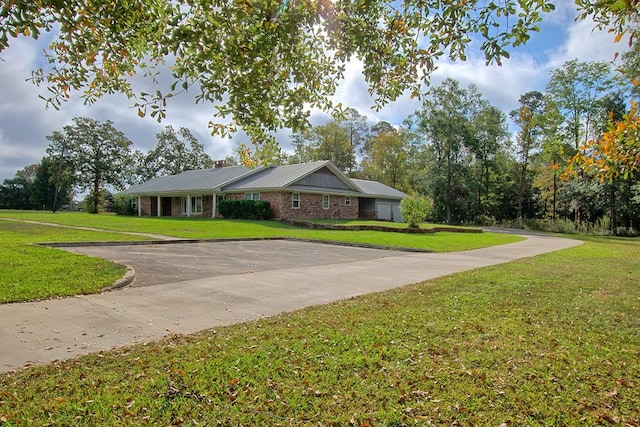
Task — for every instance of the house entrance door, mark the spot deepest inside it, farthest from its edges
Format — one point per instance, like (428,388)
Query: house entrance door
(166,206)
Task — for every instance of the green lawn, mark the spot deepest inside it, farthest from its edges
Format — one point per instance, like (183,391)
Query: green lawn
(29,272)
(549,340)
(205,228)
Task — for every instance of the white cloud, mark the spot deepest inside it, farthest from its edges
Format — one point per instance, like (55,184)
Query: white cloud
(586,43)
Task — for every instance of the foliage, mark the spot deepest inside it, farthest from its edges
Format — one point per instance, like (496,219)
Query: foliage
(123,204)
(460,133)
(615,155)
(577,90)
(176,152)
(415,210)
(266,63)
(244,209)
(384,156)
(330,141)
(529,118)
(96,155)
(550,340)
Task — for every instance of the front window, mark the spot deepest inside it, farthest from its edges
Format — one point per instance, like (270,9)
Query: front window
(185,205)
(325,201)
(295,200)
(252,196)
(347,200)
(196,205)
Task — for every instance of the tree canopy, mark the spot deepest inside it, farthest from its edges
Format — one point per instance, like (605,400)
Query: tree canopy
(97,155)
(262,63)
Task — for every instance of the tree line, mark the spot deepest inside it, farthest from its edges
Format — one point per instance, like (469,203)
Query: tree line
(456,149)
(94,157)
(573,161)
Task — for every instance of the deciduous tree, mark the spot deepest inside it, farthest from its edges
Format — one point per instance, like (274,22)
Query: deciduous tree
(385,156)
(528,117)
(176,152)
(98,155)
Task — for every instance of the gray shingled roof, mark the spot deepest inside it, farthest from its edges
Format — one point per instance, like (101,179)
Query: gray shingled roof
(378,190)
(240,178)
(197,180)
(286,175)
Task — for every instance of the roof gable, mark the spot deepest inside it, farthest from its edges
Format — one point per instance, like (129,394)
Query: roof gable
(317,176)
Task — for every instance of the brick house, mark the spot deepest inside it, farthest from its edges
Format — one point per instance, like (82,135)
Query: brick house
(307,190)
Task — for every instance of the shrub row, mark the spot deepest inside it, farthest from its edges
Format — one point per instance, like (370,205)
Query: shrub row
(244,209)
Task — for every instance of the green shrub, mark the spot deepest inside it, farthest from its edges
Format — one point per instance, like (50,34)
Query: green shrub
(123,204)
(244,209)
(415,209)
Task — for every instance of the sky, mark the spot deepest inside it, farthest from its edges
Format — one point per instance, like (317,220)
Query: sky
(25,123)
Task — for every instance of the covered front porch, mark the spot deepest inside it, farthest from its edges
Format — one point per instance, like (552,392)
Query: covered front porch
(186,205)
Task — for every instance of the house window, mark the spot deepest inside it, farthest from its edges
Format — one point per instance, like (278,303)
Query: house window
(347,200)
(196,205)
(295,200)
(325,201)
(252,196)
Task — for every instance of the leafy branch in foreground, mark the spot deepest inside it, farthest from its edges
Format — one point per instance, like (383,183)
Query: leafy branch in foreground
(263,63)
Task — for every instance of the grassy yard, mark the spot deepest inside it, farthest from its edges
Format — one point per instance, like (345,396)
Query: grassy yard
(550,340)
(29,272)
(205,228)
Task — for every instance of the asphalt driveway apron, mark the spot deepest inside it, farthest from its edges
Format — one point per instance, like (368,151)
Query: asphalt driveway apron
(182,288)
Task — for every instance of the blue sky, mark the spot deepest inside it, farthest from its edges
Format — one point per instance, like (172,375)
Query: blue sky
(25,123)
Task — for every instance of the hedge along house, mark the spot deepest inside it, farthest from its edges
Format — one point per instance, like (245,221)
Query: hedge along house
(307,190)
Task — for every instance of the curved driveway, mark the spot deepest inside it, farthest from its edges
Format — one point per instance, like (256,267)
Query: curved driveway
(235,282)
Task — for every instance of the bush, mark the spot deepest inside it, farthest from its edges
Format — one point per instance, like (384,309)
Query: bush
(415,209)
(123,204)
(244,209)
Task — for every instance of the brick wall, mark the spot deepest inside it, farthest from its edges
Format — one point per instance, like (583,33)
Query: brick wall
(310,205)
(280,202)
(145,206)
(207,206)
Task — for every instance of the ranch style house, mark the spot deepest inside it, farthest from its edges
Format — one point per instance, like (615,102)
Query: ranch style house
(306,190)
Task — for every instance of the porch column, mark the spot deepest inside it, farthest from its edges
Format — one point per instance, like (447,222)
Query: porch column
(213,207)
(158,201)
(188,205)
(139,206)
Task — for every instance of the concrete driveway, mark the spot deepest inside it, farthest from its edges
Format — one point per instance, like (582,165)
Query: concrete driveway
(182,288)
